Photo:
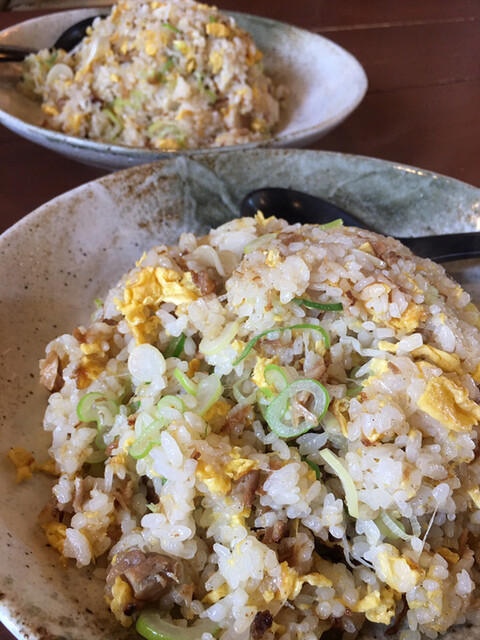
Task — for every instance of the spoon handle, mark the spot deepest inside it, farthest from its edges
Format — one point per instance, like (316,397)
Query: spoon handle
(13,53)
(451,246)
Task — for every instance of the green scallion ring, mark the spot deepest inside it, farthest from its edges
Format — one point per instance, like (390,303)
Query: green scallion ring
(253,341)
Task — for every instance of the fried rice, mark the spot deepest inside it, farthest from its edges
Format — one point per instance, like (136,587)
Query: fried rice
(272,432)
(162,75)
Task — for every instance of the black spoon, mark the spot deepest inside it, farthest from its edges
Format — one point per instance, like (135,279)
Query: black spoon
(67,41)
(296,206)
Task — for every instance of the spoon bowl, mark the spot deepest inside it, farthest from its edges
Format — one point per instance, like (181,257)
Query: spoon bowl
(297,206)
(68,40)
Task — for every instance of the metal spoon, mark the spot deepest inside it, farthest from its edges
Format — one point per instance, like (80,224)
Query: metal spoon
(296,206)
(67,41)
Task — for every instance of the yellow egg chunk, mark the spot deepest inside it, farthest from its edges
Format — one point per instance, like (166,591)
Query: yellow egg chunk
(447,401)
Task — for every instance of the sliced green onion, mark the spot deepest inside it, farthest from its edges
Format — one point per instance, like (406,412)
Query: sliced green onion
(98,303)
(212,19)
(345,478)
(239,396)
(323,306)
(275,377)
(264,396)
(331,225)
(162,129)
(258,242)
(212,347)
(117,125)
(209,391)
(175,347)
(96,407)
(254,340)
(390,527)
(149,438)
(171,402)
(276,414)
(189,385)
(51,60)
(152,626)
(169,26)
(353,391)
(314,466)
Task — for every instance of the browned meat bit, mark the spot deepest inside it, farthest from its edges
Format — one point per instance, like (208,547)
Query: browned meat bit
(244,489)
(238,419)
(261,625)
(202,280)
(276,532)
(151,494)
(51,372)
(384,251)
(286,551)
(150,575)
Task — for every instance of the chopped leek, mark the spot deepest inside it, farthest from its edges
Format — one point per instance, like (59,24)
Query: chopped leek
(258,242)
(96,407)
(169,26)
(210,347)
(149,437)
(331,225)
(162,129)
(345,478)
(323,306)
(209,391)
(152,626)
(117,125)
(175,347)
(275,377)
(189,385)
(390,527)
(254,340)
(278,414)
(239,396)
(314,466)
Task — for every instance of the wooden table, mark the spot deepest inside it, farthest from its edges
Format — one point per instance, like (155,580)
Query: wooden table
(421,108)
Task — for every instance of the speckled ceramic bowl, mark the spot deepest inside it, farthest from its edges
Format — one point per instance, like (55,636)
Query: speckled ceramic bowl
(59,258)
(324,81)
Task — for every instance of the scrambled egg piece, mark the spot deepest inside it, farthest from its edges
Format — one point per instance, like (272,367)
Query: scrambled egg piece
(216,481)
(55,533)
(238,467)
(291,583)
(23,461)
(475,496)
(273,256)
(122,596)
(450,556)
(217,594)
(216,414)
(339,408)
(410,318)
(447,362)
(447,401)
(217,30)
(215,61)
(258,375)
(398,572)
(146,291)
(377,367)
(378,606)
(26,465)
(261,220)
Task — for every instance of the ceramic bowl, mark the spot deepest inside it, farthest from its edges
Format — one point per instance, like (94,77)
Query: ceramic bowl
(58,259)
(325,84)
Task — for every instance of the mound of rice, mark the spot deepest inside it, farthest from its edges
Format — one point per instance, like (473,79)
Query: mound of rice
(272,432)
(163,75)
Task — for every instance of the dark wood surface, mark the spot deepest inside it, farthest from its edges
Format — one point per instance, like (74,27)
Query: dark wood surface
(422,106)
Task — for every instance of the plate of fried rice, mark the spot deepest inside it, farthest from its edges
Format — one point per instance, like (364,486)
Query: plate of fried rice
(234,428)
(152,79)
